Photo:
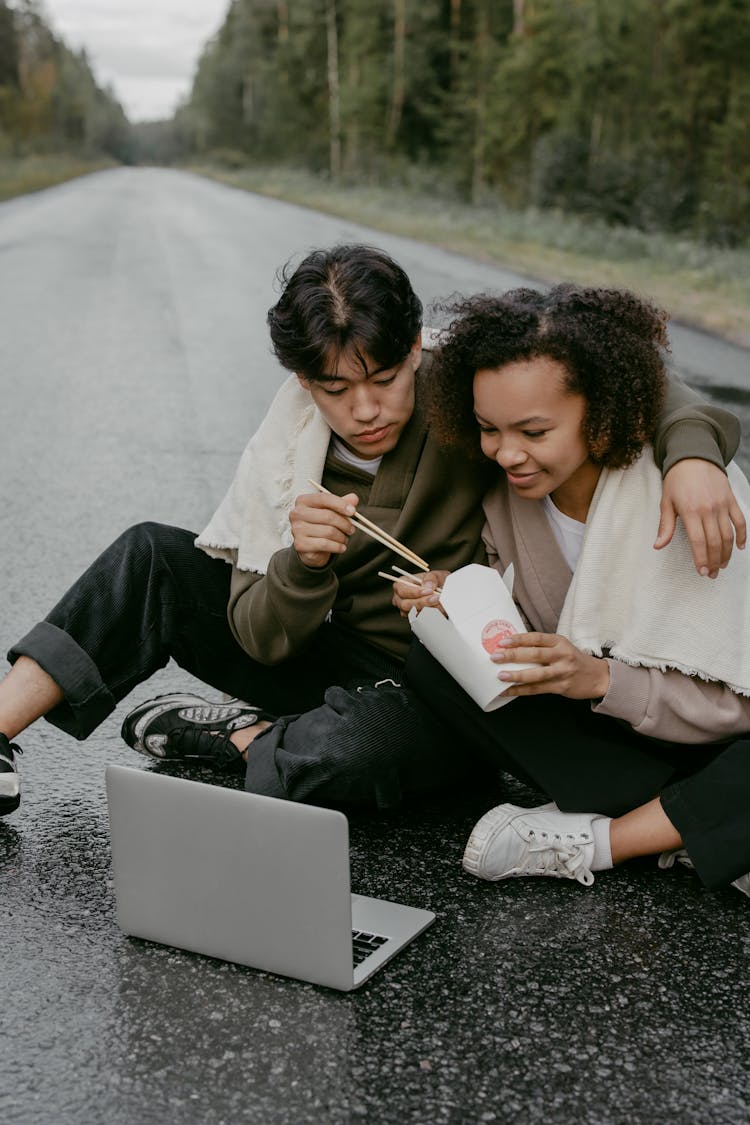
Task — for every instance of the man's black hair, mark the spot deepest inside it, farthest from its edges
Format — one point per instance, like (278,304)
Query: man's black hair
(349,299)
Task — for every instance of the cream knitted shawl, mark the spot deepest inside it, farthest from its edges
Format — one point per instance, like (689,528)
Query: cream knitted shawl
(286,451)
(650,607)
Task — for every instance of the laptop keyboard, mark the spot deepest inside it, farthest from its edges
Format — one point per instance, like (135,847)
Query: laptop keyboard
(363,944)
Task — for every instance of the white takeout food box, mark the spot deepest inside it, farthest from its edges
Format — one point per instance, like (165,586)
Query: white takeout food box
(481,611)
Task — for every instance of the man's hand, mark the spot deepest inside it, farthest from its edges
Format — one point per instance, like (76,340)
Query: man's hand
(321,526)
(559,667)
(700,494)
(406,596)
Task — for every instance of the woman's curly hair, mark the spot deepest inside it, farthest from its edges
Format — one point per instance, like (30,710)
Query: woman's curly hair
(610,342)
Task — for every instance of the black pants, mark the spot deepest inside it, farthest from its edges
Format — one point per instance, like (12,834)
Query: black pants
(591,763)
(344,734)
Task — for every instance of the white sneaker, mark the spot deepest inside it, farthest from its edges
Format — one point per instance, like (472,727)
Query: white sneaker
(510,841)
(743,884)
(669,859)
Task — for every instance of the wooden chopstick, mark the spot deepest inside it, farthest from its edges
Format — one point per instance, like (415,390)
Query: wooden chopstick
(403,575)
(407,580)
(378,533)
(400,578)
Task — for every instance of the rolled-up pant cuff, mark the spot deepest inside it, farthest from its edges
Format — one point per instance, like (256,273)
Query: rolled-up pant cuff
(262,775)
(88,700)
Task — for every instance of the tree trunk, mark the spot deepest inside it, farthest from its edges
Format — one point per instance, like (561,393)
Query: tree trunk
(455,37)
(283,21)
(480,116)
(398,89)
(519,17)
(282,39)
(351,128)
(334,93)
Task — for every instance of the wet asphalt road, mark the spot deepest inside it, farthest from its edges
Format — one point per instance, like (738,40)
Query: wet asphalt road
(135,364)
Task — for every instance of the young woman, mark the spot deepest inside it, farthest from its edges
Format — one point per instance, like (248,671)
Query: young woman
(634,715)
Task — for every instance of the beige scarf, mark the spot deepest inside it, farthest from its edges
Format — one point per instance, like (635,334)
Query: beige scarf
(650,607)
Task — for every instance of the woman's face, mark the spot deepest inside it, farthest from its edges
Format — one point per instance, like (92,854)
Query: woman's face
(533,428)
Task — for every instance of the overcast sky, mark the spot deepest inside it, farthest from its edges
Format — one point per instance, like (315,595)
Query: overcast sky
(146,49)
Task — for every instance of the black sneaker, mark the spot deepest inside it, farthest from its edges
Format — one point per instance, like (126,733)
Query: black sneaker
(10,782)
(186,727)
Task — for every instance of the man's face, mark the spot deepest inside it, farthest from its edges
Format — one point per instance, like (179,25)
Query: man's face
(368,411)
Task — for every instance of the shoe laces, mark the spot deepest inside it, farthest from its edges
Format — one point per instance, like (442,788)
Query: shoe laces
(557,855)
(14,749)
(188,742)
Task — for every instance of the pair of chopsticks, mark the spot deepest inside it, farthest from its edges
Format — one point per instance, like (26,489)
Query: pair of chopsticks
(409,579)
(378,533)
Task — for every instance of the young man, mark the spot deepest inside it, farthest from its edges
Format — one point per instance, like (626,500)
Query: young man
(300,621)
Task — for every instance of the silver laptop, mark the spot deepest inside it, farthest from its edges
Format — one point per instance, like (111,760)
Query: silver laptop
(246,878)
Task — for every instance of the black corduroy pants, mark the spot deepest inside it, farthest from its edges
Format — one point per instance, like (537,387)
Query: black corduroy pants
(591,763)
(347,730)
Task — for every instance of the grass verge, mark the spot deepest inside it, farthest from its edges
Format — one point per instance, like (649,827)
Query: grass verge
(706,286)
(24,174)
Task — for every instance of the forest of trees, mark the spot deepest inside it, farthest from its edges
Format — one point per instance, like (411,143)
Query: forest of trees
(634,111)
(49,99)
